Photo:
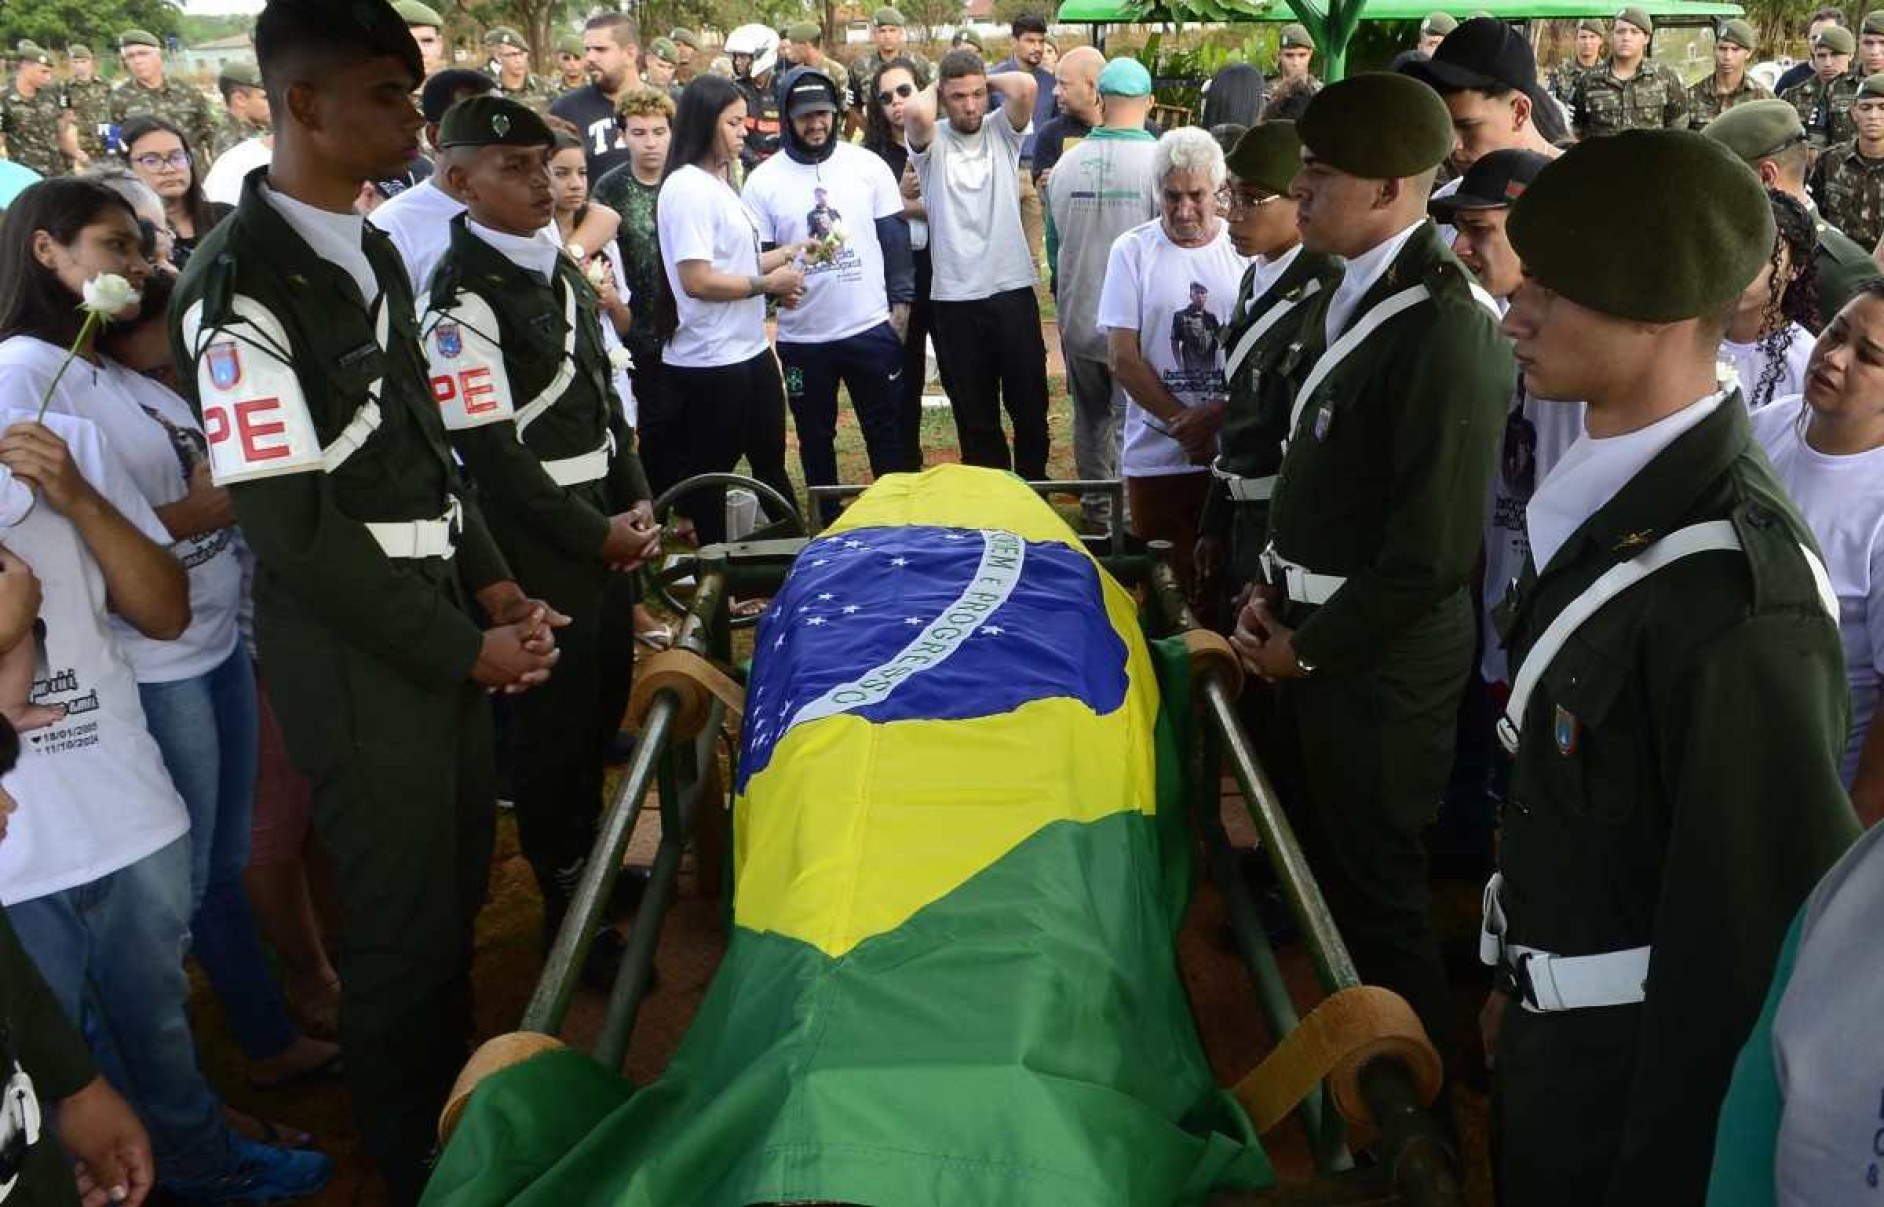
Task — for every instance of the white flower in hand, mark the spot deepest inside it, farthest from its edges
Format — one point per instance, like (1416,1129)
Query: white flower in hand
(107,294)
(596,272)
(620,358)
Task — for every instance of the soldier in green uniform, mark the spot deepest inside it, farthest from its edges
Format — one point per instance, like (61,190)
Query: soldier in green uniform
(89,99)
(244,106)
(571,66)
(515,80)
(1631,91)
(35,125)
(148,91)
(807,46)
(1824,98)
(1270,303)
(660,68)
(384,611)
(1294,49)
(525,386)
(1769,138)
(1591,37)
(1678,702)
(1848,179)
(1730,84)
(427,29)
(687,48)
(1398,385)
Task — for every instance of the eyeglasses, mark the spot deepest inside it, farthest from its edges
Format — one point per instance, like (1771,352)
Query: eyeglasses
(1232,201)
(150,161)
(905,91)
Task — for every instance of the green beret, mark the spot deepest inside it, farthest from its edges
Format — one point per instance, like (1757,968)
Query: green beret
(684,37)
(1873,22)
(1873,86)
(1438,23)
(664,49)
(137,37)
(1757,129)
(1378,126)
(78,52)
(803,31)
(1294,35)
(1837,39)
(412,12)
(503,35)
(241,73)
(30,52)
(1638,18)
(969,36)
(886,16)
(493,121)
(1268,156)
(1687,256)
(1592,25)
(1738,33)
(570,44)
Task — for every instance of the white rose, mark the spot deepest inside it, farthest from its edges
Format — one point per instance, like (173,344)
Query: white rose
(108,293)
(596,272)
(620,358)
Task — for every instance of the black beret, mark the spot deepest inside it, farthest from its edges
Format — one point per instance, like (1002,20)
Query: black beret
(493,121)
(1582,231)
(1268,155)
(1379,126)
(372,25)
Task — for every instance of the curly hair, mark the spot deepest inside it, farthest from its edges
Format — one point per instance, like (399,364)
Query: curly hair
(1290,100)
(1792,299)
(877,132)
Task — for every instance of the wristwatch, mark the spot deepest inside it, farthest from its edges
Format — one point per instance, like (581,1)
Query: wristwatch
(1303,667)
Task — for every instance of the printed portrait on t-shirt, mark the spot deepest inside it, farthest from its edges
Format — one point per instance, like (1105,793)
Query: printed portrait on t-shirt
(1520,457)
(821,219)
(1194,342)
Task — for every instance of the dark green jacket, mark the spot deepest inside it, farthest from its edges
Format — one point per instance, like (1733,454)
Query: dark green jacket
(1676,785)
(1257,417)
(1389,487)
(508,469)
(1844,266)
(311,548)
(35,1033)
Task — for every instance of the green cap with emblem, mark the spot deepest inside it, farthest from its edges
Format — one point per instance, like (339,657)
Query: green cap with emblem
(1873,22)
(803,31)
(1268,155)
(1378,126)
(664,50)
(1837,39)
(887,16)
(1757,129)
(683,36)
(78,51)
(570,44)
(137,37)
(493,121)
(1637,17)
(240,72)
(1438,23)
(32,52)
(412,12)
(1688,255)
(1296,36)
(503,35)
(1591,25)
(1873,86)
(1738,33)
(967,37)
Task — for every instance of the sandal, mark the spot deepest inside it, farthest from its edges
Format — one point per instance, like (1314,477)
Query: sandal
(743,608)
(658,638)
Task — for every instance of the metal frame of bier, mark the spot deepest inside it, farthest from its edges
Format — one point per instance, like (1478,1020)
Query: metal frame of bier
(1410,1159)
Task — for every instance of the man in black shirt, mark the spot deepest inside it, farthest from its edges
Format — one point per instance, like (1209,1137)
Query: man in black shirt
(1076,88)
(611,44)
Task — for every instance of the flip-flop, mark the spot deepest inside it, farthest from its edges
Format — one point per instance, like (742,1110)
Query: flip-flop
(656,639)
(327,1069)
(748,607)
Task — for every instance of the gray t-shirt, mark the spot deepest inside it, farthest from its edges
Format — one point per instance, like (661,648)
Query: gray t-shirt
(1100,189)
(971,185)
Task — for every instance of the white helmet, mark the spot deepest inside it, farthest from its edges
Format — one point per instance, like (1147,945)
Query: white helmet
(759,41)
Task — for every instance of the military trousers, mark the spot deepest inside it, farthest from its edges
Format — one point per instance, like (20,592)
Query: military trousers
(403,803)
(1561,1088)
(1365,755)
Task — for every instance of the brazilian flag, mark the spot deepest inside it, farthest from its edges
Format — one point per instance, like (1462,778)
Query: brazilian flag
(960,865)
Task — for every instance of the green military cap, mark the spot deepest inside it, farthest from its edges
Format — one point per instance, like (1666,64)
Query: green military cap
(137,37)
(503,35)
(240,72)
(1638,18)
(31,52)
(1873,22)
(1738,33)
(684,37)
(493,121)
(969,36)
(1592,25)
(1268,155)
(1379,126)
(1837,39)
(412,12)
(570,44)
(1757,129)
(1294,35)
(1438,23)
(1873,86)
(665,50)
(77,51)
(887,16)
(1688,255)
(803,31)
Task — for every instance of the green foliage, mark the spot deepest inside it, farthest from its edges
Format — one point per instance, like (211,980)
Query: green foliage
(55,23)
(195,30)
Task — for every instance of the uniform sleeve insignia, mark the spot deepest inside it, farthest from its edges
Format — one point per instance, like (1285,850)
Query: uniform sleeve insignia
(224,361)
(1567,731)
(450,339)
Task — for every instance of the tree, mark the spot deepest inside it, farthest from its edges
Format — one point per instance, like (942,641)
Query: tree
(56,23)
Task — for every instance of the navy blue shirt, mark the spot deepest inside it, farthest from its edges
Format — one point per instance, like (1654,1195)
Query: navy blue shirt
(1044,104)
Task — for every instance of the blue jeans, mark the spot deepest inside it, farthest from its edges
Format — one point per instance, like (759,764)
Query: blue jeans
(112,953)
(207,729)
(870,365)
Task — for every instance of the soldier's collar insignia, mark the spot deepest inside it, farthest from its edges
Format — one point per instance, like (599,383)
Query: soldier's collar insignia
(1634,540)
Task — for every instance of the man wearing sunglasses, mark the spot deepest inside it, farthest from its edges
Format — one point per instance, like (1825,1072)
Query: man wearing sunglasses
(1770,138)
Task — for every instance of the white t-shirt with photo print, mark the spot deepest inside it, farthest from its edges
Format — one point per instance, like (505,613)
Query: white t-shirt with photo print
(839,201)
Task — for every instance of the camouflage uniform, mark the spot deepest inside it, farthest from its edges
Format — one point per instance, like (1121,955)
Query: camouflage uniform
(1652,98)
(90,102)
(1850,192)
(31,128)
(1563,80)
(177,103)
(1825,108)
(228,133)
(536,93)
(1705,103)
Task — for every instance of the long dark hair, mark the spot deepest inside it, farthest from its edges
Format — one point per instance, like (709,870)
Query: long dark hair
(1235,94)
(1792,297)
(194,203)
(697,120)
(33,300)
(878,136)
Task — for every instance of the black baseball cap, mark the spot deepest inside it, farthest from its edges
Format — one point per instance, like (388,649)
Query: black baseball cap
(1493,182)
(810,92)
(1481,53)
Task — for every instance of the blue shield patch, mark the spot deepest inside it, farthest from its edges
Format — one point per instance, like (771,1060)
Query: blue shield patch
(1567,731)
(1324,419)
(225,364)
(450,340)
